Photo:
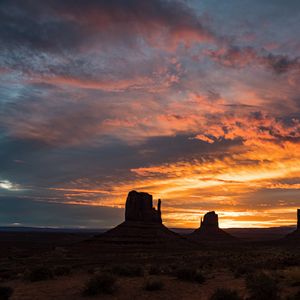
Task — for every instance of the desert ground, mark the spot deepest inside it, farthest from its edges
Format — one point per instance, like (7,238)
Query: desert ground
(59,265)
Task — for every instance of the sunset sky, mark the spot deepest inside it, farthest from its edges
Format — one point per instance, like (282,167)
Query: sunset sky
(196,102)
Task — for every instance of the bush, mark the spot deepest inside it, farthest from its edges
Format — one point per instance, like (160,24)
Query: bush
(292,275)
(262,287)
(39,274)
(5,292)
(61,271)
(154,270)
(128,270)
(188,274)
(294,297)
(243,270)
(153,285)
(100,284)
(225,294)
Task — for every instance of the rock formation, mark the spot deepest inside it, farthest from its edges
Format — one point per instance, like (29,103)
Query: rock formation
(139,207)
(211,220)
(209,229)
(295,235)
(142,226)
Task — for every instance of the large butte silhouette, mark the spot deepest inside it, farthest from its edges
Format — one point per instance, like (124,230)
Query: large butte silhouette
(295,235)
(143,224)
(209,230)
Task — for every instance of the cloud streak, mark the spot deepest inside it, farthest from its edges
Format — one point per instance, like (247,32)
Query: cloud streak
(238,57)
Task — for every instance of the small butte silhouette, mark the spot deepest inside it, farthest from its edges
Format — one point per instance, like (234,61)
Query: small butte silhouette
(209,230)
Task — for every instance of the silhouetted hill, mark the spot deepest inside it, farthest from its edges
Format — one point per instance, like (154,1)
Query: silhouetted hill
(209,230)
(142,226)
(251,234)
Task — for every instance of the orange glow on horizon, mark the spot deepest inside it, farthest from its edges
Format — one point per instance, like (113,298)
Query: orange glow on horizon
(228,186)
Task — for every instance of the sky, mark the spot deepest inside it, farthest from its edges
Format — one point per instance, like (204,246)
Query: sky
(196,102)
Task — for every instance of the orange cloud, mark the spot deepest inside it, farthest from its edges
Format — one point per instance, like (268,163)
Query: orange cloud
(112,85)
(160,23)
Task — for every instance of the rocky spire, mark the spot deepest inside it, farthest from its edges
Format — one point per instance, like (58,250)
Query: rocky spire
(139,207)
(210,220)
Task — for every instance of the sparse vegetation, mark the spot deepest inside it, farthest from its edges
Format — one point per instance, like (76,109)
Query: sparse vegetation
(243,270)
(295,296)
(153,285)
(225,294)
(39,274)
(214,263)
(61,271)
(128,270)
(190,274)
(292,276)
(5,292)
(261,286)
(100,284)
(155,270)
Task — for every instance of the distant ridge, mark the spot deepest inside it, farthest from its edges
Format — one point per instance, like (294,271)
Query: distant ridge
(50,229)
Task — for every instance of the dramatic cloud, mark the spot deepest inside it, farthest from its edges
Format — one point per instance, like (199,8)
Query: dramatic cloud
(236,57)
(195,102)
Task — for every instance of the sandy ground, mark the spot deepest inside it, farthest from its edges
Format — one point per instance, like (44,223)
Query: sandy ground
(70,287)
(219,264)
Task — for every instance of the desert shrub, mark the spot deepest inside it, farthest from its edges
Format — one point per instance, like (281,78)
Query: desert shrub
(155,270)
(5,292)
(172,267)
(225,294)
(243,270)
(128,270)
(100,284)
(61,271)
(7,273)
(98,270)
(290,260)
(261,287)
(190,274)
(294,297)
(169,269)
(39,274)
(153,285)
(292,275)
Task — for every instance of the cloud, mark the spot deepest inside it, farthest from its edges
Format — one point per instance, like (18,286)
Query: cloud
(64,118)
(7,185)
(28,212)
(150,20)
(89,44)
(253,127)
(69,26)
(238,57)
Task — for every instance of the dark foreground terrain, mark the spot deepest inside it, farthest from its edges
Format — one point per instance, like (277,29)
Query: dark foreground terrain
(75,265)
